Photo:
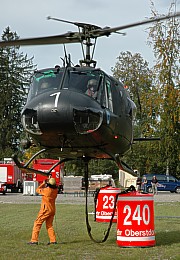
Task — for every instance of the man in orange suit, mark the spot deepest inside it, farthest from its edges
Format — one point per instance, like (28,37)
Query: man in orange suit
(49,191)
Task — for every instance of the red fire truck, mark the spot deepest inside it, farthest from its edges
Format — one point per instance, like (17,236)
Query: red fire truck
(44,165)
(10,177)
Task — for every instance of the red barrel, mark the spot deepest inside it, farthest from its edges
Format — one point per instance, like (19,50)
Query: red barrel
(105,204)
(135,220)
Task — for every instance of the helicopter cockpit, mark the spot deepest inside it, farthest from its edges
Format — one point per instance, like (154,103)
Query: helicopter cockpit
(72,78)
(83,80)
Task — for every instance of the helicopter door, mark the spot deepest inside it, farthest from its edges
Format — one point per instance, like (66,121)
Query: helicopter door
(108,95)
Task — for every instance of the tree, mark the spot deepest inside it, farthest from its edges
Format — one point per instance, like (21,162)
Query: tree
(165,42)
(134,72)
(15,74)
(156,94)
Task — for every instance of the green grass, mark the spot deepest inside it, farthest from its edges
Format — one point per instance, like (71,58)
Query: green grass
(73,241)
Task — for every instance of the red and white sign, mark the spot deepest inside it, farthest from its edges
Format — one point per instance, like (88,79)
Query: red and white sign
(135,220)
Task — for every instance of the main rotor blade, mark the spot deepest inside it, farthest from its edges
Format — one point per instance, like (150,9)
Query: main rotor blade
(107,31)
(70,37)
(82,25)
(74,37)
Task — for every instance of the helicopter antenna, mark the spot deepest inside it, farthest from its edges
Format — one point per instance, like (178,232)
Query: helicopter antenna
(66,58)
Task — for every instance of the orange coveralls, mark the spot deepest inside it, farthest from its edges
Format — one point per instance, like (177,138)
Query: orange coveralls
(46,213)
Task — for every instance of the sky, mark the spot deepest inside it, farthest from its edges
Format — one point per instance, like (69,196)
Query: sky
(28,19)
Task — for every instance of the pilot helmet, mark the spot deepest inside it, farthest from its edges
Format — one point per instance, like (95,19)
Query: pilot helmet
(92,83)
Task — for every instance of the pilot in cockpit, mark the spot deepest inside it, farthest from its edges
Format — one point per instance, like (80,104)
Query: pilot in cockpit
(92,88)
(44,85)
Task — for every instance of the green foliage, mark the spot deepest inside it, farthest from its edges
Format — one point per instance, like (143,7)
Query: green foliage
(165,41)
(15,74)
(144,157)
(156,93)
(133,71)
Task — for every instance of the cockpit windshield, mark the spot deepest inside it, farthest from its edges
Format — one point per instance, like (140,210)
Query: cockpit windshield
(87,81)
(45,80)
(83,80)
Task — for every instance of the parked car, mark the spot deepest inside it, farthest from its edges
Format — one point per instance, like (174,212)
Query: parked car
(165,183)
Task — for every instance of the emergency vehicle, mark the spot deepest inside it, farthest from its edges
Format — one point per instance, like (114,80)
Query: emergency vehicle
(44,165)
(10,177)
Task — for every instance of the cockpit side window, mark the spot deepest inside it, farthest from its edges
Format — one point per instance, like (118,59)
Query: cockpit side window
(109,103)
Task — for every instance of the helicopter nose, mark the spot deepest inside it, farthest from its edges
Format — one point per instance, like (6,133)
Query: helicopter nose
(63,113)
(74,113)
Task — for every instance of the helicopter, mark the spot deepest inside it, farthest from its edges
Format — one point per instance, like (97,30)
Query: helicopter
(63,118)
(79,112)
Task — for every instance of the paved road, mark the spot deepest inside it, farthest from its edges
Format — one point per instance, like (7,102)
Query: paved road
(75,198)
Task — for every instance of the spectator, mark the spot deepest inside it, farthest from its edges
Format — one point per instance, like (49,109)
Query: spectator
(138,184)
(154,184)
(144,184)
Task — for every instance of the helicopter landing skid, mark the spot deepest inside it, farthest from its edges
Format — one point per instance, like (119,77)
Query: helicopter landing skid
(25,167)
(123,166)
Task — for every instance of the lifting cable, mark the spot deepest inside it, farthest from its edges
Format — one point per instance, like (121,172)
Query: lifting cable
(131,188)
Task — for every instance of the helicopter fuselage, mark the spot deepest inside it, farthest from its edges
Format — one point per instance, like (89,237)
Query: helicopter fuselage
(61,113)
